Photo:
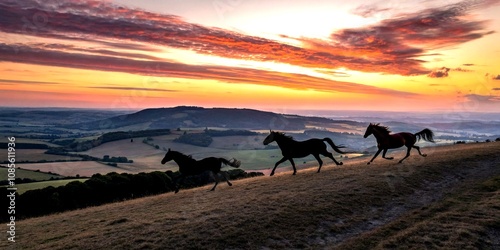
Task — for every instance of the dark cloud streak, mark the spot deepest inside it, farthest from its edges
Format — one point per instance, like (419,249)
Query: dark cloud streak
(133,89)
(439,73)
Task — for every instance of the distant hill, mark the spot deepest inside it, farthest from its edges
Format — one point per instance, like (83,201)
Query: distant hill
(184,116)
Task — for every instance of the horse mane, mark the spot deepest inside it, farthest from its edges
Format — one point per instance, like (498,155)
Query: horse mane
(281,134)
(383,129)
(182,155)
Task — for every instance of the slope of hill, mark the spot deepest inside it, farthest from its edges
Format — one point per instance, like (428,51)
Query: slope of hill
(183,116)
(449,199)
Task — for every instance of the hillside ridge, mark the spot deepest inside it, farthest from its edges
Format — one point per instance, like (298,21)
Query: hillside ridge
(338,207)
(188,116)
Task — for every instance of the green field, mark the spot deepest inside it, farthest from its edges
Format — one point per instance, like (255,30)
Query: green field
(81,168)
(22,188)
(34,155)
(29,174)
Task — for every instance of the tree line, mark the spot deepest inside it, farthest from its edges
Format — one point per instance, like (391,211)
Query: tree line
(205,139)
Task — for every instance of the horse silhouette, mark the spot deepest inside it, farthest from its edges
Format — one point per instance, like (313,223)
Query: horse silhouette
(291,148)
(386,141)
(189,166)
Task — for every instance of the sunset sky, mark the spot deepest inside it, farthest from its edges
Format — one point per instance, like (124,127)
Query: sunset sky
(273,55)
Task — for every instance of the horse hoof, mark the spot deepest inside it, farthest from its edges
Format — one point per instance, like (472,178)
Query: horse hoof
(424,155)
(400,162)
(390,158)
(176,191)
(271,174)
(368,163)
(294,173)
(341,163)
(230,184)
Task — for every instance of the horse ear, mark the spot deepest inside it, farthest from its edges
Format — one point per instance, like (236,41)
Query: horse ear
(168,150)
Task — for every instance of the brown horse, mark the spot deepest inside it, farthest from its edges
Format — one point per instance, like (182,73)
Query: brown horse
(386,141)
(291,148)
(189,166)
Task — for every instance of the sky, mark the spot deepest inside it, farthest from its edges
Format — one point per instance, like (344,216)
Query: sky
(409,56)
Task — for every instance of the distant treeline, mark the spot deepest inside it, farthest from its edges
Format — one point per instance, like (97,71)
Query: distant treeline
(205,139)
(78,146)
(196,139)
(101,189)
(231,132)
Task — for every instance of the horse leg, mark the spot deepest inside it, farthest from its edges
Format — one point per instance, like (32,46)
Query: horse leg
(330,155)
(375,156)
(383,155)
(418,149)
(407,154)
(178,181)
(216,178)
(293,165)
(224,174)
(277,163)
(319,161)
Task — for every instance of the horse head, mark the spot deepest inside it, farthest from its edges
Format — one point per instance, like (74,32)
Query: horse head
(270,138)
(168,157)
(369,130)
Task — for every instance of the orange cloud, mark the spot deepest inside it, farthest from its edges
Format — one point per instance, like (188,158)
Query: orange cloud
(391,47)
(25,54)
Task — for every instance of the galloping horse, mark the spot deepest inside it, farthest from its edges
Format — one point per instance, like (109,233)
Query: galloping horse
(386,141)
(189,166)
(291,148)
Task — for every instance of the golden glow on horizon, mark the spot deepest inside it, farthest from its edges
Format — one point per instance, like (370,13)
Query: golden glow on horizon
(298,82)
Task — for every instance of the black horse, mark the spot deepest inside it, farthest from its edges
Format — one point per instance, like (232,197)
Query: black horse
(386,140)
(291,148)
(189,166)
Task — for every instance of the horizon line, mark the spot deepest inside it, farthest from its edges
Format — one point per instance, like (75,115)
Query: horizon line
(274,110)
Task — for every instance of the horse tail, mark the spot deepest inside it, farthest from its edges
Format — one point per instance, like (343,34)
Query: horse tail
(425,134)
(233,162)
(335,147)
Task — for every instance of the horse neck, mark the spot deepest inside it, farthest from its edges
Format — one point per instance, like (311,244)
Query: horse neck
(183,160)
(379,134)
(284,142)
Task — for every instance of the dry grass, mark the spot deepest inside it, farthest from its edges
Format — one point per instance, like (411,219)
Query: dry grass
(449,199)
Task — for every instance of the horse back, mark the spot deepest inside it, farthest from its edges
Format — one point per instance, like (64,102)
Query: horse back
(403,139)
(299,149)
(210,163)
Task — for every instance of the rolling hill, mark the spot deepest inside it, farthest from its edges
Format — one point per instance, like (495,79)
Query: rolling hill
(449,199)
(197,117)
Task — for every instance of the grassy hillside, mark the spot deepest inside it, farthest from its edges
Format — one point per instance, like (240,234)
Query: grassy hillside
(81,168)
(22,188)
(449,199)
(28,174)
